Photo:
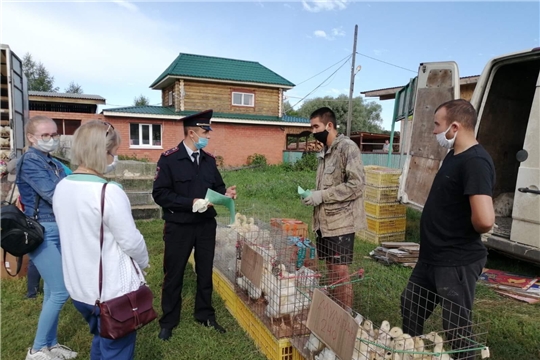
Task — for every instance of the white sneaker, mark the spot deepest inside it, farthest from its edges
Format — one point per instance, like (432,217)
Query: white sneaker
(63,352)
(43,354)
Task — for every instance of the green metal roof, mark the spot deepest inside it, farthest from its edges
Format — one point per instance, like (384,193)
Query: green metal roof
(211,67)
(162,110)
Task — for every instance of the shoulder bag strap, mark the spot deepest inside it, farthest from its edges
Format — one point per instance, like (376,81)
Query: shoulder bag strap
(36,202)
(101,246)
(101,243)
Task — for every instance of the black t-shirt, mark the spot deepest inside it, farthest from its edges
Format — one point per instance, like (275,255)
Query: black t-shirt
(447,236)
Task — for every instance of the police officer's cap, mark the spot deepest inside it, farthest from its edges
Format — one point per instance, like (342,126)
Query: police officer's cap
(201,120)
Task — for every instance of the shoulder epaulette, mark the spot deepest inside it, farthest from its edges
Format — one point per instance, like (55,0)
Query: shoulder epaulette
(207,153)
(170,151)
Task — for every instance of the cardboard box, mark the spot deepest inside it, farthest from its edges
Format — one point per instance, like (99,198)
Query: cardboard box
(11,266)
(292,227)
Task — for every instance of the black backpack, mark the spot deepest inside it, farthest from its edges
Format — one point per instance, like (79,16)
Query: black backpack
(21,234)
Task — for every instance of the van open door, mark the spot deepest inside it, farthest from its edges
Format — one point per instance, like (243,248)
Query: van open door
(437,83)
(526,208)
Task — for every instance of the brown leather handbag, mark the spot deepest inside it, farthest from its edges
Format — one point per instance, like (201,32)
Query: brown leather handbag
(127,313)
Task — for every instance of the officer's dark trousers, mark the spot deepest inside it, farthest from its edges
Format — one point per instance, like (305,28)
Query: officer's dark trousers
(454,288)
(180,239)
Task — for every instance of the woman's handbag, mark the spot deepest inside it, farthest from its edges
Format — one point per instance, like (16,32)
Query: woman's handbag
(21,234)
(127,313)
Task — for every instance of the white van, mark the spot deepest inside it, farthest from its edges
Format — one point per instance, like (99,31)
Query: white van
(507,99)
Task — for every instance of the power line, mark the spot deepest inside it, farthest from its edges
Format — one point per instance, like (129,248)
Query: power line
(348,56)
(321,84)
(387,63)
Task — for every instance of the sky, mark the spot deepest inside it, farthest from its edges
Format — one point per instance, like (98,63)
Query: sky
(116,49)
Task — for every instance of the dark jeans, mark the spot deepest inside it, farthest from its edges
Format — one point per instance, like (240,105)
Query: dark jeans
(454,289)
(33,278)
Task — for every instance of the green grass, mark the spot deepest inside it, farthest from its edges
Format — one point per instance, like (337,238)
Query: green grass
(514,328)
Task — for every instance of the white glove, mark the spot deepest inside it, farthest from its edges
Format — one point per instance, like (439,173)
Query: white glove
(200,205)
(315,199)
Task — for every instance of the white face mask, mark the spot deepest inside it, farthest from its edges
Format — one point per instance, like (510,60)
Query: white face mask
(47,146)
(112,165)
(444,142)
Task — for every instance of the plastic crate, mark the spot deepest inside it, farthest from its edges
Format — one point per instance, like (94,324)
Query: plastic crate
(374,238)
(381,195)
(271,347)
(382,177)
(383,211)
(386,226)
(225,289)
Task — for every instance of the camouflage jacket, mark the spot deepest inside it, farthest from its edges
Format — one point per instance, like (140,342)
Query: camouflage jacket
(340,176)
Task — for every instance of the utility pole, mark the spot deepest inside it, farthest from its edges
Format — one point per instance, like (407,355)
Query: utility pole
(351,88)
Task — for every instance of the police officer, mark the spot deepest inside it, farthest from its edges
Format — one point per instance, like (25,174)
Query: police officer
(183,175)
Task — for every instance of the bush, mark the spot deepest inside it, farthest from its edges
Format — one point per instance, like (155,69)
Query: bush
(220,161)
(133,157)
(257,160)
(308,161)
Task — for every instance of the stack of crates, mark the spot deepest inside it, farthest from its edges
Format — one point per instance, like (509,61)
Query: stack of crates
(386,217)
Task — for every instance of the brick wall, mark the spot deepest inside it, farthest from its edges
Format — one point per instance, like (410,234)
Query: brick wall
(231,141)
(234,142)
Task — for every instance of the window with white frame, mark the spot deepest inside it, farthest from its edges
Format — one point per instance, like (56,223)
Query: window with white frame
(144,135)
(243,99)
(170,98)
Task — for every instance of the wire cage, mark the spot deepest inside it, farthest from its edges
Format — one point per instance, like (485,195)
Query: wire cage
(401,322)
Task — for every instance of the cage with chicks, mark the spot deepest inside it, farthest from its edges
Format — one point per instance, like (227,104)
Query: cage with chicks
(396,320)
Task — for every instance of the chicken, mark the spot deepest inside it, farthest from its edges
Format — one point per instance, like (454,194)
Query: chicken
(418,347)
(313,344)
(396,332)
(383,338)
(437,340)
(409,346)
(326,354)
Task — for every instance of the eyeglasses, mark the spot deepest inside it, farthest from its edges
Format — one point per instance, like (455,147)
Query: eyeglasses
(108,128)
(48,137)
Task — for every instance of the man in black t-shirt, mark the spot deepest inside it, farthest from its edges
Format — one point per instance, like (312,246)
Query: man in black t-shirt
(458,210)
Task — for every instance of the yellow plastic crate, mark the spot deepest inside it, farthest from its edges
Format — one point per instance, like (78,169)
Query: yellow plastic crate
(271,347)
(386,226)
(225,289)
(383,211)
(380,195)
(382,177)
(380,238)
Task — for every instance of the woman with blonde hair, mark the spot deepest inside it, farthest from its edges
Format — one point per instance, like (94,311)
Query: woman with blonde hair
(124,251)
(38,173)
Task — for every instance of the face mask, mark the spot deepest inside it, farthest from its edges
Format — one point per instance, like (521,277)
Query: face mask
(112,165)
(444,142)
(47,146)
(321,136)
(201,143)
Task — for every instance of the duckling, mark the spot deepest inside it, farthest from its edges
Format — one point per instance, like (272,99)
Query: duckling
(383,338)
(418,347)
(438,348)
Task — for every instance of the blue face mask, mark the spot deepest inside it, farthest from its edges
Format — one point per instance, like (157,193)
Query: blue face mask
(201,143)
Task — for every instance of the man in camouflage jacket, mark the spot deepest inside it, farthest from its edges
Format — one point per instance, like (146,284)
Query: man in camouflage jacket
(338,200)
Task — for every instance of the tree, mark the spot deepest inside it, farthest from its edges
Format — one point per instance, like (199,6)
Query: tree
(288,109)
(38,76)
(141,100)
(74,88)
(365,116)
